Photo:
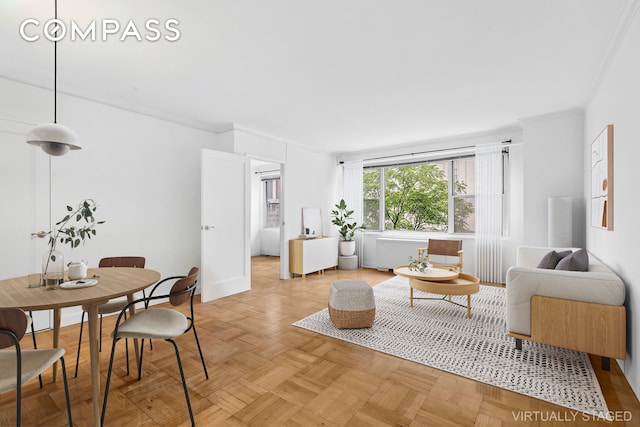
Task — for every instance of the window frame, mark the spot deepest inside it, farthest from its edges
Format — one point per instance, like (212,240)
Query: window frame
(381,166)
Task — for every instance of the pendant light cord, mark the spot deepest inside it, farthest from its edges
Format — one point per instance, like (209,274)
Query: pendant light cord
(55,66)
(55,106)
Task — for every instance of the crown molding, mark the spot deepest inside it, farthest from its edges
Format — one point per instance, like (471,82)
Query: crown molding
(615,40)
(576,112)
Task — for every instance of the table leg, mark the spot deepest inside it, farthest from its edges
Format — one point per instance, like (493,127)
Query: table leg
(468,306)
(95,361)
(132,311)
(410,296)
(57,314)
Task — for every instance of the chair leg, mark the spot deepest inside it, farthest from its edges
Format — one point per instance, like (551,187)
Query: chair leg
(101,332)
(66,391)
(206,374)
(35,344)
(18,385)
(108,382)
(144,296)
(140,361)
(79,344)
(184,382)
(126,346)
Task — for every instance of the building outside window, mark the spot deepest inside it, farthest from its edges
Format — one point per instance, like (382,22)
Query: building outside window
(272,201)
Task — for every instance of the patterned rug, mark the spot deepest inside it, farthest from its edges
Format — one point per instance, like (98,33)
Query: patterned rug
(438,334)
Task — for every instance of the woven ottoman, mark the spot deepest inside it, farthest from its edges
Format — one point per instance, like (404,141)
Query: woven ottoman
(351,304)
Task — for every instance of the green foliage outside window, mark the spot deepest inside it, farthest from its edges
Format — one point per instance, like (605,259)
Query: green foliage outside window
(416,198)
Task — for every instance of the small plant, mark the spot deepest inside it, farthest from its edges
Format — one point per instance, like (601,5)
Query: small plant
(73,235)
(419,264)
(342,218)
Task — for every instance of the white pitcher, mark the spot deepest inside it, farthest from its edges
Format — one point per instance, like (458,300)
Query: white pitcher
(77,270)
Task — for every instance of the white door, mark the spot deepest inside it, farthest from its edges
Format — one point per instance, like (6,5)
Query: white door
(225,225)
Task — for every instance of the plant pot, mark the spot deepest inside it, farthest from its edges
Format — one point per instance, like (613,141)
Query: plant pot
(347,247)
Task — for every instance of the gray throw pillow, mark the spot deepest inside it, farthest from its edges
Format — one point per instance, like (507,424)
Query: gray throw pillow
(551,260)
(577,261)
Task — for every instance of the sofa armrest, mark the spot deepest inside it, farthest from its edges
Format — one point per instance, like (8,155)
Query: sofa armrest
(600,287)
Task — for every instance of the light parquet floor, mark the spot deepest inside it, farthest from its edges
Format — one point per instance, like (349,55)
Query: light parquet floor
(265,372)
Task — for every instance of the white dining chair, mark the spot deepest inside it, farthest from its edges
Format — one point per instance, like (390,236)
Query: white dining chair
(21,366)
(159,324)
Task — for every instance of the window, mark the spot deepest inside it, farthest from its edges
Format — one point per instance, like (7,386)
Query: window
(429,196)
(272,200)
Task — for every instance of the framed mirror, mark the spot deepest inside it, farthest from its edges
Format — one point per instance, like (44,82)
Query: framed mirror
(311,223)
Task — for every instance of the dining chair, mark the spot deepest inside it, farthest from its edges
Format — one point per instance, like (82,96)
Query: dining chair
(112,306)
(159,323)
(21,366)
(443,248)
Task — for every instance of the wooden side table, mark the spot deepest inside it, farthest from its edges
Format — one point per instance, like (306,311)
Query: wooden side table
(441,282)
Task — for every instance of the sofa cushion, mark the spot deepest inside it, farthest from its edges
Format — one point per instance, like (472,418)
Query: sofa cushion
(577,261)
(551,259)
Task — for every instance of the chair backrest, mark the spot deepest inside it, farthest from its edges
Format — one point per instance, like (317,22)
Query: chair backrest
(444,247)
(15,321)
(122,261)
(179,293)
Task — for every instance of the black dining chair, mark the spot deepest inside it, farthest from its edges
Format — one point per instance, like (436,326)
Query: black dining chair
(159,324)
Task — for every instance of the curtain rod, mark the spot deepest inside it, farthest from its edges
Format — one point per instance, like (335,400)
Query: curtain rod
(270,171)
(508,141)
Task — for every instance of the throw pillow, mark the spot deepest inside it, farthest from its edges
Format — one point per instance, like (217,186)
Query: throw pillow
(577,261)
(551,260)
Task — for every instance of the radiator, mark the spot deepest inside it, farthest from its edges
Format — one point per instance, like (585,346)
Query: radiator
(391,253)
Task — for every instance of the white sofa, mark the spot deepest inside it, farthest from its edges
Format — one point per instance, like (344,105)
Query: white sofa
(579,310)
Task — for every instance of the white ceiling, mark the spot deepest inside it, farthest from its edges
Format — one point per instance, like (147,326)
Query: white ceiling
(336,75)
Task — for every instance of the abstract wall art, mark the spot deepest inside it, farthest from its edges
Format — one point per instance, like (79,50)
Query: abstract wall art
(602,180)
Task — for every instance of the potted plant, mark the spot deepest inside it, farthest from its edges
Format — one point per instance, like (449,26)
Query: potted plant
(73,235)
(342,218)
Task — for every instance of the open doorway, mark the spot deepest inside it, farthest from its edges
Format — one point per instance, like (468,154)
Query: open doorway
(266,212)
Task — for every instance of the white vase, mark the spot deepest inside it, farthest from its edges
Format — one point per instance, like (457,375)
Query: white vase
(347,247)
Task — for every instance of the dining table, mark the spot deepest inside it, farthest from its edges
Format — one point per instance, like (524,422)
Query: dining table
(110,282)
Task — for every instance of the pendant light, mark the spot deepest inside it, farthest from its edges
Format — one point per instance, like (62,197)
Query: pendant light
(54,139)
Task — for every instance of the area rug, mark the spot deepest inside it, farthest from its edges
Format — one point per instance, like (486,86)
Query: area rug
(438,334)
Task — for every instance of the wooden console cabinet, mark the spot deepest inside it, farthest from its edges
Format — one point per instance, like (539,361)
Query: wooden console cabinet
(311,255)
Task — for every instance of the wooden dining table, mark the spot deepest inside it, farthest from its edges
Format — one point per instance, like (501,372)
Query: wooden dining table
(113,282)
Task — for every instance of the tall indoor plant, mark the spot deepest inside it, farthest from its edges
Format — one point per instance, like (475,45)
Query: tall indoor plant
(72,235)
(347,227)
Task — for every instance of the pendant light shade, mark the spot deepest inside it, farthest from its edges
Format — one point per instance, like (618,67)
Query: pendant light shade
(54,139)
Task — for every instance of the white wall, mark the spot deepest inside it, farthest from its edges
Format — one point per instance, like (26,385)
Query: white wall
(143,172)
(617,102)
(553,165)
(310,180)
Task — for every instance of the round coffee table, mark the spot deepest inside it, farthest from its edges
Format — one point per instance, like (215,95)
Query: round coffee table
(441,282)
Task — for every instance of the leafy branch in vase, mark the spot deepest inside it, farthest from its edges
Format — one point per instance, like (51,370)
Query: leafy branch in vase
(73,235)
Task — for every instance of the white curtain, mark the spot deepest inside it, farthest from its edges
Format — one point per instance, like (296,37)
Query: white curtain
(352,193)
(489,212)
